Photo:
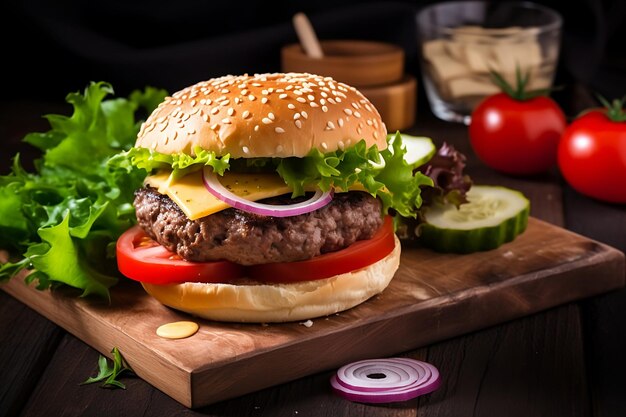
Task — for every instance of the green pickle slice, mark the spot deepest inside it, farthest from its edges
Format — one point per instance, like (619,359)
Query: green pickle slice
(493,216)
(419,149)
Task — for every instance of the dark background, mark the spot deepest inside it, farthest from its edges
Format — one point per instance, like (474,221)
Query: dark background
(54,47)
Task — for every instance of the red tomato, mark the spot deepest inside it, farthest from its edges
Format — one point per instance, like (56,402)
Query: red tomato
(142,259)
(356,256)
(517,136)
(592,156)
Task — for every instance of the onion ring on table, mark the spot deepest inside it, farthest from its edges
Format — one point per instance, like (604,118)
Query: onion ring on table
(385,380)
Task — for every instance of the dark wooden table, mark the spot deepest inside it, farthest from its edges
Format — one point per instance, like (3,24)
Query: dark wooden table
(567,361)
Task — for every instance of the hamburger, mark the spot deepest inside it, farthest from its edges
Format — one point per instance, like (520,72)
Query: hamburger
(269,199)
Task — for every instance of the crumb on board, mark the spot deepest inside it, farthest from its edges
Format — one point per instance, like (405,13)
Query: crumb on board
(307,323)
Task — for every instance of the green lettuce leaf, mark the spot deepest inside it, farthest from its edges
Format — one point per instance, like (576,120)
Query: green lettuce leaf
(65,216)
(384,174)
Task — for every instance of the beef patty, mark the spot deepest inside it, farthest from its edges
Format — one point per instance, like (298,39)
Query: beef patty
(249,239)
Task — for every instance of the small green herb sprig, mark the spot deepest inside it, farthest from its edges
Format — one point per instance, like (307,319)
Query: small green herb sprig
(108,373)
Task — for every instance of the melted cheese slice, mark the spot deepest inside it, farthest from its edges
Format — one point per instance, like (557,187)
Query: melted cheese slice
(190,194)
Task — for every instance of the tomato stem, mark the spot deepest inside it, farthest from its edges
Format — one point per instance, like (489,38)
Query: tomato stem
(615,109)
(519,91)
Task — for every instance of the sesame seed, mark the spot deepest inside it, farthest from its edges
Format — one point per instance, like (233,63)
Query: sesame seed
(340,122)
(214,110)
(264,100)
(225,91)
(205,117)
(214,126)
(357,114)
(324,109)
(313,104)
(324,94)
(266,121)
(340,144)
(330,125)
(301,100)
(298,124)
(367,106)
(237,100)
(282,96)
(244,92)
(375,134)
(279,130)
(289,87)
(245,149)
(369,122)
(311,97)
(271,116)
(208,101)
(230,111)
(193,103)
(324,145)
(304,114)
(224,103)
(297,92)
(264,92)
(296,116)
(356,106)
(291,106)
(359,130)
(256,128)
(322,101)
(338,99)
(251,97)
(226,121)
(245,114)
(348,112)
(331,100)
(256,84)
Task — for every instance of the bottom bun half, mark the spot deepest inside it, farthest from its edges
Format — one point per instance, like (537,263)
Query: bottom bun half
(266,303)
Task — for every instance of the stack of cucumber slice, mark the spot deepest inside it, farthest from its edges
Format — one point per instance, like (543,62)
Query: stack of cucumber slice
(493,216)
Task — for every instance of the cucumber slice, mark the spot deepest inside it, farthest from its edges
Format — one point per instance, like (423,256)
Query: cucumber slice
(419,149)
(494,215)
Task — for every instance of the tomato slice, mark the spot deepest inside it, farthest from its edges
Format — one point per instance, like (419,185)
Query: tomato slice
(142,259)
(356,256)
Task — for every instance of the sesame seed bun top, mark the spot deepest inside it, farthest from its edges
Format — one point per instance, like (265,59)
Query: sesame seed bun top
(265,115)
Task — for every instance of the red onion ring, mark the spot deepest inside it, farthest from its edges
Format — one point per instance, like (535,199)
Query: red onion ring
(215,187)
(385,380)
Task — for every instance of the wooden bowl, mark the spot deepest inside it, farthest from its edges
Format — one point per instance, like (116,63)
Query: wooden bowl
(356,63)
(396,103)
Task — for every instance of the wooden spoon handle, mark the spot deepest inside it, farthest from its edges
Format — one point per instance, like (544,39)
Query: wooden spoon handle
(307,36)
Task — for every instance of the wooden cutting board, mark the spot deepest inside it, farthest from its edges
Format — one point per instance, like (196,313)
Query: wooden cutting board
(432,297)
